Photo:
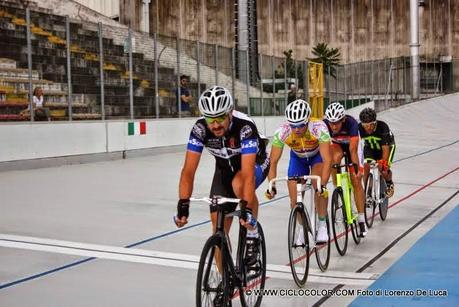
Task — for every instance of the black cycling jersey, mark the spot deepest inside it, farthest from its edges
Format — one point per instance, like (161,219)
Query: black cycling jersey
(241,138)
(381,136)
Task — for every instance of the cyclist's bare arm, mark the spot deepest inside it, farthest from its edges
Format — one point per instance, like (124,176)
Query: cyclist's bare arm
(248,178)
(353,149)
(276,154)
(325,153)
(192,159)
(385,152)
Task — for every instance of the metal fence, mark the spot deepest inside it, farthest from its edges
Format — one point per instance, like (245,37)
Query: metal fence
(92,71)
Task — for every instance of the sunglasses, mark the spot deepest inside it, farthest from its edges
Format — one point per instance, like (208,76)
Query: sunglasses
(218,120)
(368,125)
(298,126)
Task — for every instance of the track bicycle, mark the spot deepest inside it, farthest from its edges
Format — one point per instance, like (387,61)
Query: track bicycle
(301,246)
(375,194)
(218,275)
(344,212)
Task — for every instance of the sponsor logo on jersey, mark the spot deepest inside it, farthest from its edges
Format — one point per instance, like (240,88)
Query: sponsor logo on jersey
(195,142)
(249,144)
(246,131)
(199,130)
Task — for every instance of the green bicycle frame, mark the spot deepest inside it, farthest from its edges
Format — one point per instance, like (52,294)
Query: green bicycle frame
(343,180)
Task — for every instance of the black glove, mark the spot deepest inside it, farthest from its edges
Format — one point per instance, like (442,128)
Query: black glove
(272,194)
(183,208)
(244,209)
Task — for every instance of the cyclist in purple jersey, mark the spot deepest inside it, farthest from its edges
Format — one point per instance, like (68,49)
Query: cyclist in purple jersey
(241,161)
(344,132)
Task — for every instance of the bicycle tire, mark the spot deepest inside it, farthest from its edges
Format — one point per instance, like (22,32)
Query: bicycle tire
(298,255)
(258,282)
(384,203)
(370,207)
(206,293)
(339,224)
(322,251)
(356,234)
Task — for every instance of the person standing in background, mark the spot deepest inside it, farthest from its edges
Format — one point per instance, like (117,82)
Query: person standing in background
(185,96)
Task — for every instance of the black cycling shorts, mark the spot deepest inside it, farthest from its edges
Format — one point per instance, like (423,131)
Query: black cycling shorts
(374,154)
(222,184)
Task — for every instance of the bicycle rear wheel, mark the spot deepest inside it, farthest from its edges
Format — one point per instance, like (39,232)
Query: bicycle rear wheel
(298,246)
(211,282)
(384,203)
(323,250)
(369,201)
(339,224)
(255,277)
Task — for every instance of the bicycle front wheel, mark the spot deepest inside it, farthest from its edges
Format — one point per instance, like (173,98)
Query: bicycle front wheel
(384,201)
(369,201)
(298,246)
(339,223)
(212,280)
(255,276)
(323,250)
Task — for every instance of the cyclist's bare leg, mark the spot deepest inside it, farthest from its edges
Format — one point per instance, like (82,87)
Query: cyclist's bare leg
(358,192)
(227,227)
(337,156)
(321,202)
(366,171)
(291,184)
(238,186)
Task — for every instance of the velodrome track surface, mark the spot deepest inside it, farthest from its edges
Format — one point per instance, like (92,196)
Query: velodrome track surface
(101,234)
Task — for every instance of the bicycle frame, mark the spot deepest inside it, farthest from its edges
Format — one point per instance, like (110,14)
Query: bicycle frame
(374,170)
(310,210)
(343,181)
(226,257)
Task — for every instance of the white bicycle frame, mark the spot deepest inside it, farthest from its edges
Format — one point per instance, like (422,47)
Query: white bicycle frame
(310,208)
(374,170)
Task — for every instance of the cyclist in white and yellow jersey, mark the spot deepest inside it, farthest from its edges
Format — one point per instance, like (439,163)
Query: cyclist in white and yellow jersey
(309,142)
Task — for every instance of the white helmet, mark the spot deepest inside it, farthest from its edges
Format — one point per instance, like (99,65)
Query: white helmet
(215,101)
(298,112)
(335,112)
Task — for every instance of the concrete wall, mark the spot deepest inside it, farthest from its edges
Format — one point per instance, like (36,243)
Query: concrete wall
(362,29)
(109,8)
(25,141)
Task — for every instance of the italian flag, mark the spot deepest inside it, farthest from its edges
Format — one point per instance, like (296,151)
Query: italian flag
(137,128)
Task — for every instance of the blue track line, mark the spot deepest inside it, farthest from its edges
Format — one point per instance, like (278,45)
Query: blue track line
(3,286)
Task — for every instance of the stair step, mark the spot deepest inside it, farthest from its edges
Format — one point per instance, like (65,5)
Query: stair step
(7,63)
(17,73)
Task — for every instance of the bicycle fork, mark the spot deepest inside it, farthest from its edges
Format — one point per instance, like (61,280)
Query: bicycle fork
(309,223)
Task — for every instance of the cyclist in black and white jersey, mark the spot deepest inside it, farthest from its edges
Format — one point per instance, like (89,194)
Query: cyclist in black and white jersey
(241,161)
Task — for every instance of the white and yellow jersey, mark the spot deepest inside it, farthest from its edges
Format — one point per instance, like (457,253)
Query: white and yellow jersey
(306,145)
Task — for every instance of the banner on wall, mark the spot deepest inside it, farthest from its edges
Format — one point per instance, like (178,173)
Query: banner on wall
(137,128)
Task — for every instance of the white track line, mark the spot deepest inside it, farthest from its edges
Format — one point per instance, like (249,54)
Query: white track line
(166,259)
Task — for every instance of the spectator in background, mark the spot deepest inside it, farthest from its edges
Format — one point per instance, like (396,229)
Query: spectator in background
(40,112)
(292,94)
(185,96)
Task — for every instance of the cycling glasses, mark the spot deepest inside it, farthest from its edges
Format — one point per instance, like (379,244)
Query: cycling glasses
(368,125)
(218,120)
(299,126)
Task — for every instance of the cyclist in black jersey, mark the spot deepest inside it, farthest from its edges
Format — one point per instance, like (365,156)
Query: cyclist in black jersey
(379,146)
(241,161)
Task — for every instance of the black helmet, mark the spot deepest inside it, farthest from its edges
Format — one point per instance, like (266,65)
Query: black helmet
(367,115)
